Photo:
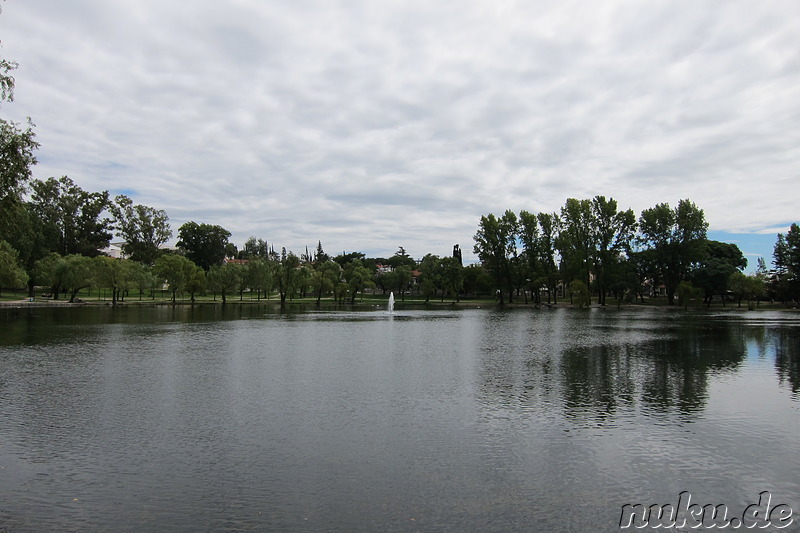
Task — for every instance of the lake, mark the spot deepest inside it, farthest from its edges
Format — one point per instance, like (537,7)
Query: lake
(245,419)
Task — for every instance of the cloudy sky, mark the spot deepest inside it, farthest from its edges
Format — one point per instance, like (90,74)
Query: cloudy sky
(370,125)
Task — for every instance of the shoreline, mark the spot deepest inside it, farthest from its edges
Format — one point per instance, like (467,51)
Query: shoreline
(468,304)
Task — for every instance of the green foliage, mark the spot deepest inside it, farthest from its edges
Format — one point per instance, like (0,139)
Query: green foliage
(49,271)
(358,278)
(401,258)
(579,294)
(431,278)
(204,244)
(713,272)
(496,246)
(747,287)
(677,239)
(346,259)
(786,256)
(225,279)
(452,276)
(687,292)
(254,249)
(176,271)
(548,232)
(575,241)
(113,274)
(403,278)
(477,281)
(70,218)
(259,274)
(196,282)
(17,146)
(143,228)
(325,277)
(79,273)
(445,274)
(287,275)
(12,275)
(7,80)
(613,233)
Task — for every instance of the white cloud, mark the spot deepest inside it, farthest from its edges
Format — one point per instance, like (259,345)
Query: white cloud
(372,125)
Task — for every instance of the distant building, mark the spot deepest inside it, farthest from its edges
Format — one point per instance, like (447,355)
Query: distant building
(114,249)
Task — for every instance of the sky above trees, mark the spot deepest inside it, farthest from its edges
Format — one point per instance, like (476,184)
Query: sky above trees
(372,125)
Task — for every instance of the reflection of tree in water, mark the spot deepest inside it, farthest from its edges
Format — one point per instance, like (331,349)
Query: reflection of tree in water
(787,357)
(679,369)
(596,374)
(597,380)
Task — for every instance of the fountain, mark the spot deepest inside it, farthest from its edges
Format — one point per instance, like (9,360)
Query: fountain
(391,302)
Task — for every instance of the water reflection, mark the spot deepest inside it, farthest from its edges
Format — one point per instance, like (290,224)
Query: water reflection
(786,343)
(595,364)
(186,419)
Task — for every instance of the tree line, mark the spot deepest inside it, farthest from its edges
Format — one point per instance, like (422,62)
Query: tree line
(592,248)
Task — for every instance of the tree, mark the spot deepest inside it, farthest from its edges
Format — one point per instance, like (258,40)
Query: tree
(576,240)
(12,275)
(287,275)
(676,238)
(79,274)
(431,276)
(231,252)
(713,272)
(786,256)
(225,279)
(625,284)
(174,270)
(531,252)
(320,256)
(496,247)
(144,279)
(113,274)
(477,280)
(613,233)
(346,259)
(549,228)
(17,146)
(71,217)
(402,279)
(325,277)
(746,287)
(254,249)
(50,270)
(452,276)
(259,276)
(401,258)
(7,80)
(358,278)
(143,228)
(196,282)
(204,244)
(686,292)
(579,294)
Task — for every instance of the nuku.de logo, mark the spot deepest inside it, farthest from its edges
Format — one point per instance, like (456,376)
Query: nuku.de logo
(692,515)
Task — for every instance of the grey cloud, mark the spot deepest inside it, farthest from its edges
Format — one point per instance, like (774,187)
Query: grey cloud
(367,124)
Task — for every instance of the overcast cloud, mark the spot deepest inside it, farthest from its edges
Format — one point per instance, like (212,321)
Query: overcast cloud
(370,125)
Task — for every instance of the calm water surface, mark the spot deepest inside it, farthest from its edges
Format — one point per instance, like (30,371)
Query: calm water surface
(161,419)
